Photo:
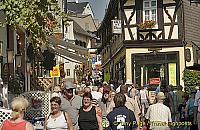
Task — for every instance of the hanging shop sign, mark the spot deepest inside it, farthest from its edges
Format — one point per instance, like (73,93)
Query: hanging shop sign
(55,72)
(116,27)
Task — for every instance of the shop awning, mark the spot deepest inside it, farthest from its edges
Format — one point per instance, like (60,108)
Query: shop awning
(68,45)
(71,55)
(68,50)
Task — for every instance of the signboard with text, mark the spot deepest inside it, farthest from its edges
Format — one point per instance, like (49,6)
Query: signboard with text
(154,81)
(116,27)
(55,72)
(172,73)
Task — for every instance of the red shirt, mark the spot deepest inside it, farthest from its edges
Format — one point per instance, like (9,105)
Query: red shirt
(8,125)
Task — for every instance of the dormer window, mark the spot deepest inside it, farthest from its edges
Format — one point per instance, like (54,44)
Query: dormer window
(150,10)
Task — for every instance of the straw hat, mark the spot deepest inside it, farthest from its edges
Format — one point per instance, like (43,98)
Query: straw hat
(160,96)
(69,85)
(128,82)
(105,83)
(57,89)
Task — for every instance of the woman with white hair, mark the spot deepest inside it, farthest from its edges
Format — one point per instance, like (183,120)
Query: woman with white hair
(18,105)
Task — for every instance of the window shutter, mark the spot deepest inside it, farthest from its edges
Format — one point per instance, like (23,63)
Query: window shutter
(160,17)
(139,11)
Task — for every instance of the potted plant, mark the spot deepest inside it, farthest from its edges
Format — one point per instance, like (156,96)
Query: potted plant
(149,24)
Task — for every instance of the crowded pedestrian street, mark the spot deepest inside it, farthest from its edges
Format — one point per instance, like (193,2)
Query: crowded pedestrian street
(99,65)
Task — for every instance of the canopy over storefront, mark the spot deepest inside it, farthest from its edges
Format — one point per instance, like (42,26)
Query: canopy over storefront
(68,50)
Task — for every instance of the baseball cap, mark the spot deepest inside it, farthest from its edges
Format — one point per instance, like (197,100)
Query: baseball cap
(68,85)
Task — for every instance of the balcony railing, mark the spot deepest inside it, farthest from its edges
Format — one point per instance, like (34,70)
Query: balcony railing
(149,34)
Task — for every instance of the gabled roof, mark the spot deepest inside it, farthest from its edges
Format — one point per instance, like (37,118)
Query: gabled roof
(76,7)
(78,29)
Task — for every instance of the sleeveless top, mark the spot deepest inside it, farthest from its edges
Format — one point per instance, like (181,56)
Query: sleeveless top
(88,120)
(8,125)
(58,123)
(143,94)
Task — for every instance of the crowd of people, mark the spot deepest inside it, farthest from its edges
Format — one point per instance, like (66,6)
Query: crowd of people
(123,107)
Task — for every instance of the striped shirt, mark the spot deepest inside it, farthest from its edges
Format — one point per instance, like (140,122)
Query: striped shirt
(94,102)
(159,115)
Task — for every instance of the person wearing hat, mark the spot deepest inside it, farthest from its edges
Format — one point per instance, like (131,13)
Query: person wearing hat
(159,115)
(129,83)
(105,83)
(56,92)
(71,103)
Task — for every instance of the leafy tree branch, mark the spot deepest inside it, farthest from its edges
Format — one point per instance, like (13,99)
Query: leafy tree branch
(38,17)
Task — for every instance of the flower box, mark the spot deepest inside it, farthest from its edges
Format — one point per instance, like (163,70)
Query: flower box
(147,24)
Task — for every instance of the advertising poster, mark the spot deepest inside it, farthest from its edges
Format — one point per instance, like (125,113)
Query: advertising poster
(172,73)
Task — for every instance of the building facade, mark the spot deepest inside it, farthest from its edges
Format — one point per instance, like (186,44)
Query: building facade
(151,47)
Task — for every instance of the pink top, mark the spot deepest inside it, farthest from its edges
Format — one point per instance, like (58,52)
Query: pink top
(8,125)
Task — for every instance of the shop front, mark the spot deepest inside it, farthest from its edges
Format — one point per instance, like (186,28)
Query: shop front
(151,69)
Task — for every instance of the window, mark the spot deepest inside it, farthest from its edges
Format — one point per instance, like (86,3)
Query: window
(150,10)
(66,30)
(68,72)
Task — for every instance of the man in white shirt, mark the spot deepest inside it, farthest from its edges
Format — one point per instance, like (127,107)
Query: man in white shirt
(159,115)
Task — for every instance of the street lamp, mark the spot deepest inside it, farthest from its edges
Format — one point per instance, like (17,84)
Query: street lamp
(28,67)
(18,58)
(10,56)
(28,70)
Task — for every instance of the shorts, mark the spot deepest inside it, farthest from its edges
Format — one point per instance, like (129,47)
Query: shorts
(145,103)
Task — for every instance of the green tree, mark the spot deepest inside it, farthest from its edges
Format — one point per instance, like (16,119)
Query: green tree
(191,79)
(38,17)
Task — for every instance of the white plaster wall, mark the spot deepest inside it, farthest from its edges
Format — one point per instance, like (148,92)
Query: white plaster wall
(69,33)
(171,12)
(133,21)
(127,35)
(71,66)
(88,10)
(174,33)
(129,52)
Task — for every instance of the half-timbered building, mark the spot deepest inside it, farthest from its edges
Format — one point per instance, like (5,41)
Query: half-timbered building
(158,40)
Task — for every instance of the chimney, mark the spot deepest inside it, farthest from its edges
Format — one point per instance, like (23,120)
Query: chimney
(76,1)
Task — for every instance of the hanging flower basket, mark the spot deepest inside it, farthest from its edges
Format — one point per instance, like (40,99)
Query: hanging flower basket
(147,24)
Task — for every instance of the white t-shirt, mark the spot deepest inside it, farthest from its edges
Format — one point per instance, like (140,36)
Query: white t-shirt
(118,89)
(96,95)
(58,123)
(143,94)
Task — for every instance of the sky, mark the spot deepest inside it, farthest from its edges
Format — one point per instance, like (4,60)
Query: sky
(98,7)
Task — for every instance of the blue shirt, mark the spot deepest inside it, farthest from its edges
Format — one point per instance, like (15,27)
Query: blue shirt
(121,118)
